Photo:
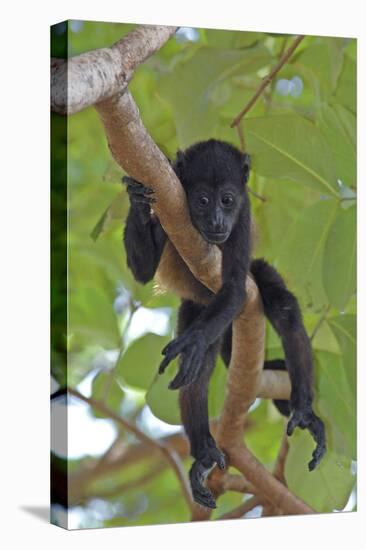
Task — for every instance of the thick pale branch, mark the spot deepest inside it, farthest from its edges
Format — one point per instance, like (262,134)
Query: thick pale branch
(88,78)
(135,151)
(268,486)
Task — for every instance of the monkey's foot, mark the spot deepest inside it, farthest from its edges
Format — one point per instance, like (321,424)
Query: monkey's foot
(192,347)
(306,419)
(199,472)
(137,191)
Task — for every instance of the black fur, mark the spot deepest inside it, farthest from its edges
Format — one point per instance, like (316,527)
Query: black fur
(214,174)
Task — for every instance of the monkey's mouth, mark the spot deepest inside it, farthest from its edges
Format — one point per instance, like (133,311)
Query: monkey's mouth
(216,238)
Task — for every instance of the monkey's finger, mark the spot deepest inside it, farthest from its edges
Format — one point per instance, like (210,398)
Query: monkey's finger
(317,430)
(293,422)
(188,371)
(204,498)
(163,365)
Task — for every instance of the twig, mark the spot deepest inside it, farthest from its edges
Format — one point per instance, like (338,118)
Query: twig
(260,197)
(266,80)
(241,510)
(169,454)
(320,322)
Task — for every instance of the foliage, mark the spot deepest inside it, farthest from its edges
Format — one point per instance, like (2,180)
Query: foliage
(304,165)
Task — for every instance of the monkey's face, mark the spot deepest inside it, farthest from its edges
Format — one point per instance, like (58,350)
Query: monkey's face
(213,174)
(214,210)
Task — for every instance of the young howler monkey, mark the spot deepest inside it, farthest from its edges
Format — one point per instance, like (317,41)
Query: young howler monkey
(213,174)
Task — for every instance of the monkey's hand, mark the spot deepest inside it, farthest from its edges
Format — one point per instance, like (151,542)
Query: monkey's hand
(306,419)
(199,472)
(139,195)
(192,347)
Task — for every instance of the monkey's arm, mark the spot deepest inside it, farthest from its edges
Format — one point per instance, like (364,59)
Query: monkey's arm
(144,237)
(217,316)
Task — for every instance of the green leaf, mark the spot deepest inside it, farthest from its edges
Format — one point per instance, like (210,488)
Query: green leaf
(231,39)
(162,401)
(92,320)
(140,362)
(291,147)
(190,88)
(216,393)
(346,90)
(106,389)
(301,258)
(336,403)
(331,125)
(116,210)
(344,329)
(339,262)
(328,487)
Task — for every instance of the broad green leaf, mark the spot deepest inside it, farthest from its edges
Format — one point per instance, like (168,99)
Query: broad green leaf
(328,487)
(346,90)
(336,403)
(344,329)
(339,262)
(291,147)
(116,210)
(140,362)
(324,59)
(162,401)
(192,103)
(216,393)
(92,320)
(231,39)
(107,390)
(301,257)
(343,147)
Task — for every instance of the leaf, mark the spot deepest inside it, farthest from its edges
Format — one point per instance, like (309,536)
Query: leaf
(339,262)
(328,487)
(92,320)
(291,147)
(140,362)
(336,403)
(231,39)
(106,389)
(115,210)
(216,392)
(162,401)
(343,146)
(346,90)
(344,329)
(301,258)
(190,87)
(324,59)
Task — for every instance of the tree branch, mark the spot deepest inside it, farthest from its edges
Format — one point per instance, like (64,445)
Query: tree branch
(169,454)
(93,76)
(137,154)
(266,81)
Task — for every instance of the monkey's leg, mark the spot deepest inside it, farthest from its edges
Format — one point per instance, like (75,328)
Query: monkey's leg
(194,412)
(144,237)
(283,311)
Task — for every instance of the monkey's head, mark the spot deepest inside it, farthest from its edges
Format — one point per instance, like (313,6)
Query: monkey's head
(213,174)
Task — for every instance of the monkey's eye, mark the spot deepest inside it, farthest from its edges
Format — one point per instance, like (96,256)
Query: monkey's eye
(227,200)
(203,201)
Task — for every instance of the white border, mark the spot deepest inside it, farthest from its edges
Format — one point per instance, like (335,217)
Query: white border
(25,270)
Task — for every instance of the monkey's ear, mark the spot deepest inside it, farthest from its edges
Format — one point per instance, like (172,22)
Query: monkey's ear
(246,166)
